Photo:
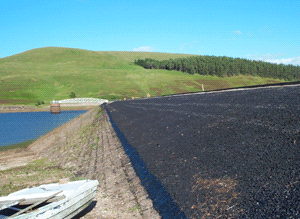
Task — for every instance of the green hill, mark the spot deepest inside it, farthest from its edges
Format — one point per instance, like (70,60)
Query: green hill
(51,73)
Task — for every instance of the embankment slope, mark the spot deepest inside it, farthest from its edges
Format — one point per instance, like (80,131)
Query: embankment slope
(231,154)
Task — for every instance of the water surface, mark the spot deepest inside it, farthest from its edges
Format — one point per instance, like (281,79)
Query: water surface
(24,126)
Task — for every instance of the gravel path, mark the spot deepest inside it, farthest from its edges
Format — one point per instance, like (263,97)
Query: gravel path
(233,154)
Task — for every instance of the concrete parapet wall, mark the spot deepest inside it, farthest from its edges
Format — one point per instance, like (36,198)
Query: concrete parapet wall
(79,104)
(90,101)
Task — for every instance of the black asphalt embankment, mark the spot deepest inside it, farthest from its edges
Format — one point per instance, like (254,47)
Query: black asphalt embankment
(225,154)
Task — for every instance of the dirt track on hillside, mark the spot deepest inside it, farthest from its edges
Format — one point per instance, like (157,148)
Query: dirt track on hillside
(89,148)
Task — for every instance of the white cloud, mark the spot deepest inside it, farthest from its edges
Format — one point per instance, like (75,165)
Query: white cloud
(237,32)
(289,61)
(273,58)
(191,45)
(182,45)
(144,49)
(258,56)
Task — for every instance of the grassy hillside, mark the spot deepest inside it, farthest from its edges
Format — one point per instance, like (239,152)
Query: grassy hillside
(53,73)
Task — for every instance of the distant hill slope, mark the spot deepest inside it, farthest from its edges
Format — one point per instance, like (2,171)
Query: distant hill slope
(51,73)
(132,56)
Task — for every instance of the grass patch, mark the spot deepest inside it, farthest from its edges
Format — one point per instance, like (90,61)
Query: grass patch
(137,207)
(24,144)
(35,173)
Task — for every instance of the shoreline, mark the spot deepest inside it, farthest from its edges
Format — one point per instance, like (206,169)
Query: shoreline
(23,144)
(26,143)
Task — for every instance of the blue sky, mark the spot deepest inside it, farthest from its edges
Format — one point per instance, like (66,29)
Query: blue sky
(261,30)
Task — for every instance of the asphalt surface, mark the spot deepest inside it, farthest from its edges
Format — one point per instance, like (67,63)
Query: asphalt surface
(232,154)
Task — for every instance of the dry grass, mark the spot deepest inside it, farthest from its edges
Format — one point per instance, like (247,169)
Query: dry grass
(216,197)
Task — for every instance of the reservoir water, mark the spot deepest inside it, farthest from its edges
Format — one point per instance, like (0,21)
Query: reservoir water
(24,126)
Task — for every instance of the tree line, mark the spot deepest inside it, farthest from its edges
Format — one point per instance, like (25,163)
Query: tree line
(224,67)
